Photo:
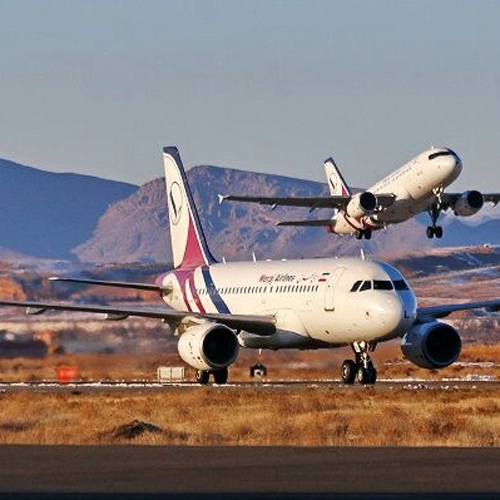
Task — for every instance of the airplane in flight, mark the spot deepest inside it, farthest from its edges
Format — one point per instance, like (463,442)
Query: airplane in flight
(418,186)
(215,308)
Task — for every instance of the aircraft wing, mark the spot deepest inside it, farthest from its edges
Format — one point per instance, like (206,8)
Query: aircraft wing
(491,197)
(260,325)
(450,199)
(446,310)
(339,202)
(385,200)
(119,284)
(334,201)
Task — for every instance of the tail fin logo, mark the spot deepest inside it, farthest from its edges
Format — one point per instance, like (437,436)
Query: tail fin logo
(176,202)
(333,185)
(336,182)
(189,246)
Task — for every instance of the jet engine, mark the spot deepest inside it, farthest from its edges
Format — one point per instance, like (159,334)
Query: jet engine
(432,345)
(469,203)
(361,204)
(209,346)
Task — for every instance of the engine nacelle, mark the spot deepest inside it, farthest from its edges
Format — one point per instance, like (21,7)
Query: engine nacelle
(432,345)
(469,203)
(361,204)
(209,346)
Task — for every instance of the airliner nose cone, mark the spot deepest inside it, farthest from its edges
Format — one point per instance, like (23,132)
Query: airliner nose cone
(451,166)
(387,313)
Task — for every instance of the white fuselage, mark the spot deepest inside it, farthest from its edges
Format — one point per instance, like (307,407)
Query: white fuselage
(311,299)
(414,186)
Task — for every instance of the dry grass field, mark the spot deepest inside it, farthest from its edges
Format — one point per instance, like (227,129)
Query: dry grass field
(322,416)
(215,416)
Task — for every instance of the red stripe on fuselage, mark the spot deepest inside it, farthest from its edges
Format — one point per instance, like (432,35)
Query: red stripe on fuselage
(346,218)
(194,293)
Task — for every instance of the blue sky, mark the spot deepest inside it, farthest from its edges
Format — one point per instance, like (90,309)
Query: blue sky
(99,87)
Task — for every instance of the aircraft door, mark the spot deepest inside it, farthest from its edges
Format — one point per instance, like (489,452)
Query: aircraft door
(331,285)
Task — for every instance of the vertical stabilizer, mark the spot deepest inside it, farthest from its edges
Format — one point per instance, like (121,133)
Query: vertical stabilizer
(336,183)
(189,246)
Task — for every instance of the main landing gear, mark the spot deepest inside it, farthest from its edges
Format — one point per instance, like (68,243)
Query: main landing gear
(432,231)
(363,233)
(361,369)
(435,210)
(220,376)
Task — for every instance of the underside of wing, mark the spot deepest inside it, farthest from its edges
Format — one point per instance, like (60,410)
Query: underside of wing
(385,200)
(339,202)
(450,199)
(491,198)
(260,325)
(446,310)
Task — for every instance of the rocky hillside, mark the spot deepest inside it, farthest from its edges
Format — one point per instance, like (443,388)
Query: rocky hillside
(136,229)
(67,216)
(46,214)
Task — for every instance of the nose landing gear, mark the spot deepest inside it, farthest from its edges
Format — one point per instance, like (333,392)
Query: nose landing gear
(434,212)
(363,233)
(362,369)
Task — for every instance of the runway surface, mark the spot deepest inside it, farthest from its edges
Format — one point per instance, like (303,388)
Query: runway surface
(387,385)
(247,472)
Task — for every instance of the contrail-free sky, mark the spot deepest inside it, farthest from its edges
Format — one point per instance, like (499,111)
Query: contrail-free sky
(99,87)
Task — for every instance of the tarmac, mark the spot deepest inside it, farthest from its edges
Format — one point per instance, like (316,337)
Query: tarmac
(208,473)
(269,386)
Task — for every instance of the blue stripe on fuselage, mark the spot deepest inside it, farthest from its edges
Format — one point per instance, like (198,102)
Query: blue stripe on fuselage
(219,303)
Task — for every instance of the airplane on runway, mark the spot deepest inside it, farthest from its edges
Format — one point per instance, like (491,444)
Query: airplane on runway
(215,308)
(418,186)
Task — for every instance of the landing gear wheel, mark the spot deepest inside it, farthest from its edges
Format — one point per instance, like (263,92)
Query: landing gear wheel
(258,370)
(202,377)
(430,232)
(348,371)
(220,376)
(366,376)
(438,231)
(363,233)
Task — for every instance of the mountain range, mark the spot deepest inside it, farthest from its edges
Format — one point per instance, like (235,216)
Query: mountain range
(72,216)
(46,215)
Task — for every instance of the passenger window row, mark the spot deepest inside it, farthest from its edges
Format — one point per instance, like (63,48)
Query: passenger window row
(259,289)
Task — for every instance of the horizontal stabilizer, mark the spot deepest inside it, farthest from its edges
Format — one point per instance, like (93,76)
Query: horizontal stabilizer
(119,284)
(325,222)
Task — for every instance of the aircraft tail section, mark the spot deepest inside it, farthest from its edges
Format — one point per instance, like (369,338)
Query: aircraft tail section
(336,182)
(189,246)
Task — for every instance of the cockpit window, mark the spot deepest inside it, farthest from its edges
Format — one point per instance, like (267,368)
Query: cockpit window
(400,285)
(440,153)
(356,286)
(382,285)
(367,285)
(446,152)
